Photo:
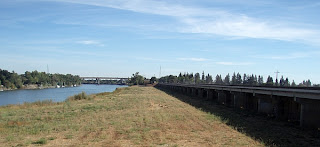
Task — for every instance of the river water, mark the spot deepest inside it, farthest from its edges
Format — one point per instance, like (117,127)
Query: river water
(55,94)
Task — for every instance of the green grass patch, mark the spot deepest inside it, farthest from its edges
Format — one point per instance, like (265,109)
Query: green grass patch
(80,96)
(40,141)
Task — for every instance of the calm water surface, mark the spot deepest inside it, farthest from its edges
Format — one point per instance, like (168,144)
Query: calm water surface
(56,94)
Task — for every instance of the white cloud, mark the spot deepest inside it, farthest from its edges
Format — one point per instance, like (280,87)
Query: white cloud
(234,63)
(193,59)
(152,59)
(213,21)
(90,42)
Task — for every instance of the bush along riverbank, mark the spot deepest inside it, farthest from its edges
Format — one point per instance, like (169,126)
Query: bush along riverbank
(36,80)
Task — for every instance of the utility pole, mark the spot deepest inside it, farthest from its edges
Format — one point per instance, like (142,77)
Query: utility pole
(160,72)
(277,72)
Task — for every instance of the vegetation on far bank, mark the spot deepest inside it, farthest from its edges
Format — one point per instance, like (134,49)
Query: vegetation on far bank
(12,80)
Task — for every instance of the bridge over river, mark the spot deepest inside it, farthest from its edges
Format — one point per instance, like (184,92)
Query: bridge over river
(97,80)
(292,104)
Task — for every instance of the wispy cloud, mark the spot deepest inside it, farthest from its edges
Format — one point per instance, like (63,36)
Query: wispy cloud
(234,63)
(295,55)
(152,59)
(213,21)
(90,42)
(193,59)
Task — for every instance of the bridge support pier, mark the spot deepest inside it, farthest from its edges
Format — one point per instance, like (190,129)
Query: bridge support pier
(97,81)
(221,97)
(184,90)
(265,104)
(252,102)
(229,99)
(309,113)
(209,94)
(200,92)
(239,100)
(194,91)
(189,91)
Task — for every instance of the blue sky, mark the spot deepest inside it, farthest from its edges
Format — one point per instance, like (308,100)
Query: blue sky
(120,37)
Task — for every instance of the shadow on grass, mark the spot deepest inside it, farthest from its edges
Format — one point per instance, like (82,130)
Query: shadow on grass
(268,131)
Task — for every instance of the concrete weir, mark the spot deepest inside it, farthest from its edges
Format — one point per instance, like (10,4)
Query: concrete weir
(288,104)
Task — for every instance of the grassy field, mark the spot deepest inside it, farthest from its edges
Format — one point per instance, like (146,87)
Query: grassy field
(132,116)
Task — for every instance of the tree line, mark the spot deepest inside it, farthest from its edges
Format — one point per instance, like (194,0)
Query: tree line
(235,79)
(12,80)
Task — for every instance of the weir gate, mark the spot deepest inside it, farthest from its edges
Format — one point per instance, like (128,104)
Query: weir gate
(288,104)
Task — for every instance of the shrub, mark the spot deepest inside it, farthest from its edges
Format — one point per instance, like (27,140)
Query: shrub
(79,96)
(40,141)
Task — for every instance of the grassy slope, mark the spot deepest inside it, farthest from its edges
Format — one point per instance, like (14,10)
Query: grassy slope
(134,116)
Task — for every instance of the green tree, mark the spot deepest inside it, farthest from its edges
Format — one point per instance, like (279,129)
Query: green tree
(227,80)
(245,79)
(286,82)
(203,77)
(172,79)
(181,79)
(209,79)
(269,81)
(239,80)
(153,80)
(137,79)
(218,80)
(234,79)
(15,79)
(260,80)
(197,78)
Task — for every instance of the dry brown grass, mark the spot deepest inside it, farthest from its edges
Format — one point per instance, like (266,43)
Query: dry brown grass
(133,116)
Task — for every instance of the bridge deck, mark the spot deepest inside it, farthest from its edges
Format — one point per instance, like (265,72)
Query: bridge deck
(103,78)
(289,92)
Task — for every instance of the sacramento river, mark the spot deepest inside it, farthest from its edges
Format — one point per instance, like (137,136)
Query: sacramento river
(55,94)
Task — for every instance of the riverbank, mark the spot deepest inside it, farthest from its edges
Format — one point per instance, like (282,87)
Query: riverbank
(132,116)
(30,86)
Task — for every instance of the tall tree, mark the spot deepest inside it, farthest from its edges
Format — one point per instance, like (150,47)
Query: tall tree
(227,79)
(197,78)
(245,79)
(260,80)
(203,77)
(282,81)
(293,84)
(234,79)
(286,82)
(269,81)
(239,80)
(218,80)
(209,79)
